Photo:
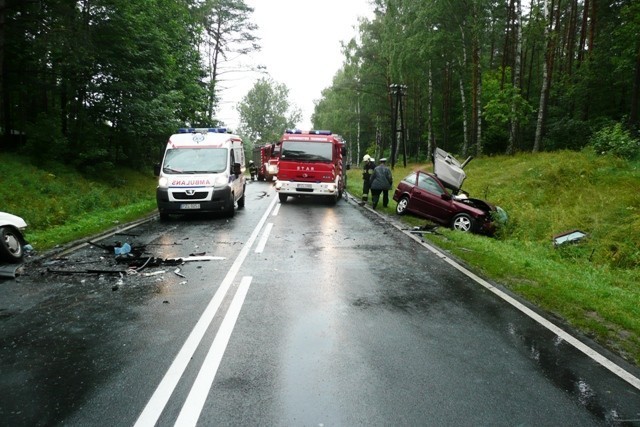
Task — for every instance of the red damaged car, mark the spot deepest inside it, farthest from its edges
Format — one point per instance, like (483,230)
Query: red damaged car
(437,197)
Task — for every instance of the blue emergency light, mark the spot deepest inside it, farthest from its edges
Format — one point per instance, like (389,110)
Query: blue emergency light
(202,130)
(311,132)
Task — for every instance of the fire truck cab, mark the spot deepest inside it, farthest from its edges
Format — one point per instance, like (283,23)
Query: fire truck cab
(311,164)
(202,170)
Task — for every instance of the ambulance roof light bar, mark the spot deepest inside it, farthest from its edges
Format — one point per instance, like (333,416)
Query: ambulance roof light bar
(202,130)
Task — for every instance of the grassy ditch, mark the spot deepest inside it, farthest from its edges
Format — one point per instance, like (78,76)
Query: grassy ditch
(592,285)
(61,205)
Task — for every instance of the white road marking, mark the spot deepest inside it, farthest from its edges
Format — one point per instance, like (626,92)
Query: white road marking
(160,397)
(202,385)
(275,211)
(263,240)
(579,345)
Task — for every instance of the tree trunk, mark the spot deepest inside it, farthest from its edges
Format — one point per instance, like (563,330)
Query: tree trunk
(516,77)
(4,95)
(544,90)
(476,84)
(463,100)
(634,123)
(430,139)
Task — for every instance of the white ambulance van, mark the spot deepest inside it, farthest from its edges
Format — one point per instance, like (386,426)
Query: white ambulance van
(202,170)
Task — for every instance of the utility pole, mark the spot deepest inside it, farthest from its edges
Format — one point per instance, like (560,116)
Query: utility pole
(398,92)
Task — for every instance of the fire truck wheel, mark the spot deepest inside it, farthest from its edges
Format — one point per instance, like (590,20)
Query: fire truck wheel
(283,198)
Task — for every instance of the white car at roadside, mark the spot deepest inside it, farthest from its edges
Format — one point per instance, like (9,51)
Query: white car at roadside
(12,242)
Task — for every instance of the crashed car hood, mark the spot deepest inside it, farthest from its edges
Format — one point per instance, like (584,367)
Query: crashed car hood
(478,204)
(9,219)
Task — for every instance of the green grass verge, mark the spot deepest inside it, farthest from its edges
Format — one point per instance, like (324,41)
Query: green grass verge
(60,205)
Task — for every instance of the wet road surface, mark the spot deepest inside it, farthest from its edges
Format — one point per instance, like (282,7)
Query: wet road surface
(308,314)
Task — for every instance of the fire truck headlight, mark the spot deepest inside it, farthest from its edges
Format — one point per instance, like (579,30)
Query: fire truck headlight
(221,181)
(331,188)
(163,182)
(278,185)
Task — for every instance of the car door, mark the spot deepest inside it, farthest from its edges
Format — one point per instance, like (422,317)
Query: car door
(428,200)
(236,181)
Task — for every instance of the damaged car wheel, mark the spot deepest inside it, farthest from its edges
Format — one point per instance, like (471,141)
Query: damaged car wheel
(11,244)
(462,222)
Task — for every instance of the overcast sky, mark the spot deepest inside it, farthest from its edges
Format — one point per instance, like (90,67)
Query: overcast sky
(293,32)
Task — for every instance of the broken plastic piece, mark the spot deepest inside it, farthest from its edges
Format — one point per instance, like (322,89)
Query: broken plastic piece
(568,237)
(155,273)
(123,250)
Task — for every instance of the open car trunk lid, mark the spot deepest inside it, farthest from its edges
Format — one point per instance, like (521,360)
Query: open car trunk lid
(449,170)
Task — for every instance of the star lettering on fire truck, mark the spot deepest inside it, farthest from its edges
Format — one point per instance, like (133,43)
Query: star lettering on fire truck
(306,168)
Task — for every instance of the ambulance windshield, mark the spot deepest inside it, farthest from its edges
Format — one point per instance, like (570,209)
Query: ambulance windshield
(195,160)
(306,151)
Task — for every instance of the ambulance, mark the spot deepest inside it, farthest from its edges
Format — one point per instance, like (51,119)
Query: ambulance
(202,170)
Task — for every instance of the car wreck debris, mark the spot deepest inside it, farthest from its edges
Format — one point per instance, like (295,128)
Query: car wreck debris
(572,236)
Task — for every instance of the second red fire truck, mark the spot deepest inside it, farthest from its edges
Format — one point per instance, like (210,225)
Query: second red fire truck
(265,158)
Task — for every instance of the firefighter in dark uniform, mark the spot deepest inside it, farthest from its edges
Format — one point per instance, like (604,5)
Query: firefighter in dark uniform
(253,170)
(367,170)
(381,182)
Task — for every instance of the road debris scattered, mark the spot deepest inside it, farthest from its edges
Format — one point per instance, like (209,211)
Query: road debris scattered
(134,259)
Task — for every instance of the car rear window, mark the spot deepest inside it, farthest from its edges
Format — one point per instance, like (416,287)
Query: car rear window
(411,178)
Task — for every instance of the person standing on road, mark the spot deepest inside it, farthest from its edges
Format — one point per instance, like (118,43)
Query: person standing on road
(253,170)
(381,182)
(367,169)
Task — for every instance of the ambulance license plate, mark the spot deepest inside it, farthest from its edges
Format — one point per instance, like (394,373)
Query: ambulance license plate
(190,206)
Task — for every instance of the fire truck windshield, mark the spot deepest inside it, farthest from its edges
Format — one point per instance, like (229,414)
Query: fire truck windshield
(306,151)
(195,160)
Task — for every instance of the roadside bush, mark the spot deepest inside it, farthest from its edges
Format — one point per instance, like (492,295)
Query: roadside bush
(615,140)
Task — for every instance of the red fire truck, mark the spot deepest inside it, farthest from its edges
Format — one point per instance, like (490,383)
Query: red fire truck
(311,164)
(265,158)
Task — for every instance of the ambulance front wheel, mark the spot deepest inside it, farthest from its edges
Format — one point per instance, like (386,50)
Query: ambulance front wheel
(241,199)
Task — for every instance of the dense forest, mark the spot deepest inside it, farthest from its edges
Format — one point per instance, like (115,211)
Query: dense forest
(489,76)
(99,82)
(103,82)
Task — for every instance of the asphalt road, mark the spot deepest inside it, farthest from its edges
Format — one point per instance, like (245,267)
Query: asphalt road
(306,314)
